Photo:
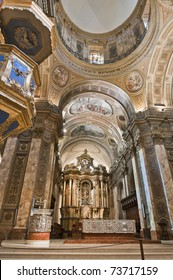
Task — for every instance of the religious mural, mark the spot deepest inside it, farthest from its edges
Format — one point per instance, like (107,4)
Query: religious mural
(118,46)
(113,51)
(134,81)
(80,48)
(91,105)
(88,130)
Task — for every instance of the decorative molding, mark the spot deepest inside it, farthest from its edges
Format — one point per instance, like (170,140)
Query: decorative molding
(15,181)
(42,168)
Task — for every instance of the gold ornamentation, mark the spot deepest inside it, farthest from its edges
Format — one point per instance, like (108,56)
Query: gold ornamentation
(25,38)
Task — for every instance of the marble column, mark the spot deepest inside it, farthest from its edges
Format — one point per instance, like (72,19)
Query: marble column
(160,210)
(149,209)
(77,193)
(28,188)
(38,177)
(107,195)
(97,203)
(74,203)
(124,190)
(57,206)
(70,192)
(18,162)
(138,190)
(63,194)
(5,166)
(102,195)
(126,183)
(167,179)
(94,193)
(116,203)
(50,174)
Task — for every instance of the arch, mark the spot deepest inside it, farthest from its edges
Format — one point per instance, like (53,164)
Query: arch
(99,152)
(121,104)
(159,76)
(98,86)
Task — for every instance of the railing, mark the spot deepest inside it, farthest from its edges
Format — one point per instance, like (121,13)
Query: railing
(46,6)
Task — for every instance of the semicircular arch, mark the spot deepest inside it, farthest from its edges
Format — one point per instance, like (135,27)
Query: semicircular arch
(98,86)
(159,76)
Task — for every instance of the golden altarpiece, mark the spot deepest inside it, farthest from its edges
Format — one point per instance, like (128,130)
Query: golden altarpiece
(85,193)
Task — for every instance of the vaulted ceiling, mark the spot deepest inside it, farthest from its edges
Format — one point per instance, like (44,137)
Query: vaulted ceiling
(95,115)
(95,112)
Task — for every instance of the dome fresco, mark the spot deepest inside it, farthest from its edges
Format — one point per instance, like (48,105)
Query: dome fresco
(101,32)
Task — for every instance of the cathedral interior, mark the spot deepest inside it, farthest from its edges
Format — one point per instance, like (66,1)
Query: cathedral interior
(86,119)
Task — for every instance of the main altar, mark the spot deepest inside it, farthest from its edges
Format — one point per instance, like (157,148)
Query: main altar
(87,201)
(86,193)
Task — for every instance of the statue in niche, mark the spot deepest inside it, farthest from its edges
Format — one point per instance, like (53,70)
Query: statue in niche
(85,194)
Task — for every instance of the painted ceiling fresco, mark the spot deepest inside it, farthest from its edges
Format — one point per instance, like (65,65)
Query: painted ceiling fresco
(88,130)
(91,105)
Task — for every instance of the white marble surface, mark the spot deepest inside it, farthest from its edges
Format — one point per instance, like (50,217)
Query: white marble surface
(108,226)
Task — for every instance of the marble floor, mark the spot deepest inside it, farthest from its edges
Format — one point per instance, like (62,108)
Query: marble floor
(57,249)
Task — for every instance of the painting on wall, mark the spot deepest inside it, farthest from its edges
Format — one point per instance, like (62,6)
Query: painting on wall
(88,130)
(73,42)
(67,35)
(80,48)
(113,51)
(93,105)
(137,31)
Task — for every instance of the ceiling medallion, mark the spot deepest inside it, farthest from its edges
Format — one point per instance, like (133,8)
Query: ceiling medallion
(60,76)
(134,81)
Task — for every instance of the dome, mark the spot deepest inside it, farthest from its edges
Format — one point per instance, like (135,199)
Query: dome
(98,16)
